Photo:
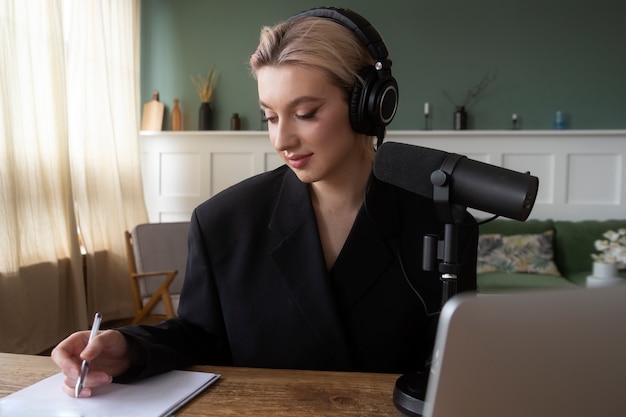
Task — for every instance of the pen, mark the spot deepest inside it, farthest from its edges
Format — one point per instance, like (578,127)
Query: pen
(85,365)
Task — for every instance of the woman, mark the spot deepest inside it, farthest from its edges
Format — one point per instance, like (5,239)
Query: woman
(315,265)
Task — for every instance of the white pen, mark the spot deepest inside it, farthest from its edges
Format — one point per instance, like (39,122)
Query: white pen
(85,365)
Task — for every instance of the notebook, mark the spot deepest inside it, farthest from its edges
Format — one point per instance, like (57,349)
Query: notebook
(160,395)
(558,353)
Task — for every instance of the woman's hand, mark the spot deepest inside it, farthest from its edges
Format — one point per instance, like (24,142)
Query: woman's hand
(108,356)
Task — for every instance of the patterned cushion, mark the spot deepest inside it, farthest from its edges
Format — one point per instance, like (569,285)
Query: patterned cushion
(529,253)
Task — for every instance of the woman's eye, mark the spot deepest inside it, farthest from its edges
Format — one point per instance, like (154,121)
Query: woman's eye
(306,115)
(265,118)
(269,119)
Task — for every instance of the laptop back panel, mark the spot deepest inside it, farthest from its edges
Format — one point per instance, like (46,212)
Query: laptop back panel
(544,354)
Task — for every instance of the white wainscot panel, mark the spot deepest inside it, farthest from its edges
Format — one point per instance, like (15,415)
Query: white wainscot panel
(594,179)
(228,168)
(272,161)
(180,174)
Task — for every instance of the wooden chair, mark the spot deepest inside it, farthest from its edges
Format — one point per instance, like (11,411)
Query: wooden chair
(157,255)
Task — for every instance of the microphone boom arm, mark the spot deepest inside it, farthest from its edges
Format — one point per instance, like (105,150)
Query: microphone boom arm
(449,267)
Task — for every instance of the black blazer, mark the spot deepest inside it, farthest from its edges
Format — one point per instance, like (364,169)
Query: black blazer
(257,292)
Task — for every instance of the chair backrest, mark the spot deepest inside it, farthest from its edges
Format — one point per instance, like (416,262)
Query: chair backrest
(160,247)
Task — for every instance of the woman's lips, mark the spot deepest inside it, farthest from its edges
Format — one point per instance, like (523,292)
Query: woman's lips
(299,161)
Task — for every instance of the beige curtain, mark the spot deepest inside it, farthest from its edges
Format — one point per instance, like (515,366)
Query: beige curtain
(103,101)
(69,122)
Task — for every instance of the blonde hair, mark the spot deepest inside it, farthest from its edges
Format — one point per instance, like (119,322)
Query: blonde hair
(320,43)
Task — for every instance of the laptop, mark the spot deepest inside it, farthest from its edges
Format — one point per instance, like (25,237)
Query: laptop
(557,353)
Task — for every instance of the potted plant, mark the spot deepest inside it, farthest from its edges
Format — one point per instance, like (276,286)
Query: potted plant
(610,258)
(471,97)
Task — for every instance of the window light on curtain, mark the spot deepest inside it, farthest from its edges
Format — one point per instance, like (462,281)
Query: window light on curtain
(69,150)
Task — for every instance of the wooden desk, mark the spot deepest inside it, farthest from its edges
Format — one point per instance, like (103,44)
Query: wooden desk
(249,391)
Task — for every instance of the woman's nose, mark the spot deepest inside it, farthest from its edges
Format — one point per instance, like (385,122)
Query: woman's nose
(282,135)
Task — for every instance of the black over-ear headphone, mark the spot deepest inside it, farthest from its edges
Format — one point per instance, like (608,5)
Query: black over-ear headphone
(373,104)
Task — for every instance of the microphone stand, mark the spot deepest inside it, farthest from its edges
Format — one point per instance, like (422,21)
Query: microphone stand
(409,393)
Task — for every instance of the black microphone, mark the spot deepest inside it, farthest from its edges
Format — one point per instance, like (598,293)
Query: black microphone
(472,184)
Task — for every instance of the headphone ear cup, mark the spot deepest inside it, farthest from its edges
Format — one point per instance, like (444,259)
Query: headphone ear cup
(359,118)
(386,100)
(373,102)
(355,106)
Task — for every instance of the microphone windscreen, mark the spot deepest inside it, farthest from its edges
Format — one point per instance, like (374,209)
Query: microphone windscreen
(494,189)
(408,166)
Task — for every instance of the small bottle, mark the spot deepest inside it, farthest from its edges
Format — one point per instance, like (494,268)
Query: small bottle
(559,120)
(176,119)
(235,122)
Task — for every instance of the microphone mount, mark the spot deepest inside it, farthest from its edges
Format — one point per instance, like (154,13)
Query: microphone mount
(441,180)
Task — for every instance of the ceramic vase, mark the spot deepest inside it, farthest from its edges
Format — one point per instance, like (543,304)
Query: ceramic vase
(604,269)
(176,116)
(204,116)
(604,273)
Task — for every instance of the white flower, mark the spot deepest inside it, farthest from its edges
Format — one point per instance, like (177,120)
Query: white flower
(612,248)
(602,245)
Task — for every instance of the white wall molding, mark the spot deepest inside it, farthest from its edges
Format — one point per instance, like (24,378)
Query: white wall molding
(582,173)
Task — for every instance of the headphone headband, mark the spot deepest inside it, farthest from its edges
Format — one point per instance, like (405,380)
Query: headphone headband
(361,27)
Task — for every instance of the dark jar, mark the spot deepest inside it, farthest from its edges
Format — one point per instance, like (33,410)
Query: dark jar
(235,122)
(460,118)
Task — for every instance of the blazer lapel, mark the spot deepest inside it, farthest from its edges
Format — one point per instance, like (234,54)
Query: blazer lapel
(367,253)
(299,257)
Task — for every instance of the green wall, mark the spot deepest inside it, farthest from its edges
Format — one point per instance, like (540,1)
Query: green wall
(547,55)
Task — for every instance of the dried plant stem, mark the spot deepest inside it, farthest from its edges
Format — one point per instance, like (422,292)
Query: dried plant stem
(474,94)
(205,86)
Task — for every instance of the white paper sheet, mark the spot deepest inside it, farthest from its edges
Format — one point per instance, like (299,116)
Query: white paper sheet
(161,395)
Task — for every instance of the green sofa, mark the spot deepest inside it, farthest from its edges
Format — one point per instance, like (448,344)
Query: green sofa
(572,245)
